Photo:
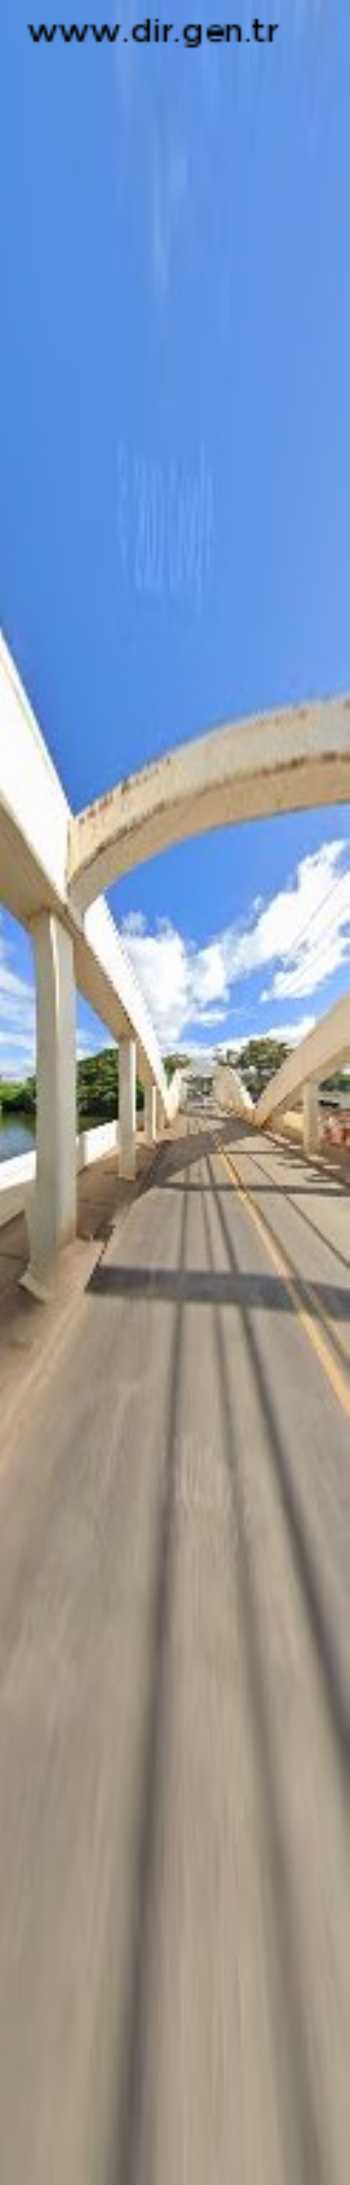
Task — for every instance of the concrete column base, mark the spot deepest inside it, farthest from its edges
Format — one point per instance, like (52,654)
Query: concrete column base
(127,1109)
(52,1215)
(35,1283)
(150,1115)
(312,1130)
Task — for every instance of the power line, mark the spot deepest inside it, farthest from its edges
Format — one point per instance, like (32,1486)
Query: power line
(295,943)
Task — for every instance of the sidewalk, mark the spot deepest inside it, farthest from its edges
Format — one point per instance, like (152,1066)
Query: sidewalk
(30,1332)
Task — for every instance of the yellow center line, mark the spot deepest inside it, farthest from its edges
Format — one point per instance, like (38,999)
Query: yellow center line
(312,1317)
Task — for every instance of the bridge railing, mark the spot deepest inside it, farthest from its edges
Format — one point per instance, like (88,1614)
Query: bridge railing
(17,1176)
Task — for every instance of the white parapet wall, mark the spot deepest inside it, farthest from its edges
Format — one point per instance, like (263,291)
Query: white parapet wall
(18,1176)
(92,1145)
(16,1185)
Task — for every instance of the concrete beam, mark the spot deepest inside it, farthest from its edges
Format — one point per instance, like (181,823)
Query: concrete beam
(159,1115)
(312,1132)
(277,762)
(324,1050)
(150,1114)
(52,1214)
(174,1094)
(127,1109)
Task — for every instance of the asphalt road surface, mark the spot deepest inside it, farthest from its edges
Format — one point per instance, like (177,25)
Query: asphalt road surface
(175,1698)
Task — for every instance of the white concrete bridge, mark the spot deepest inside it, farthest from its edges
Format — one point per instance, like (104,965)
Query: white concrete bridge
(174,1597)
(53,867)
(71,950)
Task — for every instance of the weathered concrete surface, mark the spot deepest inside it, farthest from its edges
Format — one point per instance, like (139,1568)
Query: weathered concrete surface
(150,1115)
(230,1092)
(174,1714)
(278,762)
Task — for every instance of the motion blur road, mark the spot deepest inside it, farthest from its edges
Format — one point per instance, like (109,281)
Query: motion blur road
(175,1696)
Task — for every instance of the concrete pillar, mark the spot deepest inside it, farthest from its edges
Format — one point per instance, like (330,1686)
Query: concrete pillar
(150,1114)
(52,1217)
(160,1116)
(311,1119)
(127,1109)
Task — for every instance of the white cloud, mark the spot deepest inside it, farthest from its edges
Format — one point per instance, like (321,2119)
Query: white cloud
(299,939)
(135,922)
(213,1016)
(17,1016)
(314,920)
(302,936)
(305,929)
(291,1033)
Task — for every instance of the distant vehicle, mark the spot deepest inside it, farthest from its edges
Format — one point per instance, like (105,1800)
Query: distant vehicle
(337,1099)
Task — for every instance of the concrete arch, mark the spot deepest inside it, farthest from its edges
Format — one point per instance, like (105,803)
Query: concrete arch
(286,761)
(324,1050)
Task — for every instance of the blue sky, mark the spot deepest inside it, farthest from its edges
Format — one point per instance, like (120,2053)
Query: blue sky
(175,461)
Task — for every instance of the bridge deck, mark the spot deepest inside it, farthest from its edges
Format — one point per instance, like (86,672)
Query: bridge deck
(175,1694)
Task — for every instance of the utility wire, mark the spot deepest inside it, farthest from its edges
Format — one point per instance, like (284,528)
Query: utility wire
(294,944)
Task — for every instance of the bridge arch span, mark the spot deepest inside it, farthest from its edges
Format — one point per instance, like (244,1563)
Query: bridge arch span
(285,761)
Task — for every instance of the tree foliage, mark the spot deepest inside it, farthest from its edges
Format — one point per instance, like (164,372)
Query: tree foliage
(259,1060)
(18,1097)
(175,1062)
(97,1089)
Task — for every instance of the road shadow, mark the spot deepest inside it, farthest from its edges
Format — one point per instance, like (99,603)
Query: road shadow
(198,1286)
(179,1154)
(182,1152)
(129,2117)
(328,1163)
(288,1192)
(322,1634)
(299,2118)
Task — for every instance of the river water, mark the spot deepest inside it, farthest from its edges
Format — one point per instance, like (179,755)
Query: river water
(17,1133)
(16,1136)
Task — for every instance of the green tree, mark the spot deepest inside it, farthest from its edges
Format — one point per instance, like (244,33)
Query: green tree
(259,1060)
(175,1062)
(98,1086)
(17,1096)
(339,1083)
(97,1089)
